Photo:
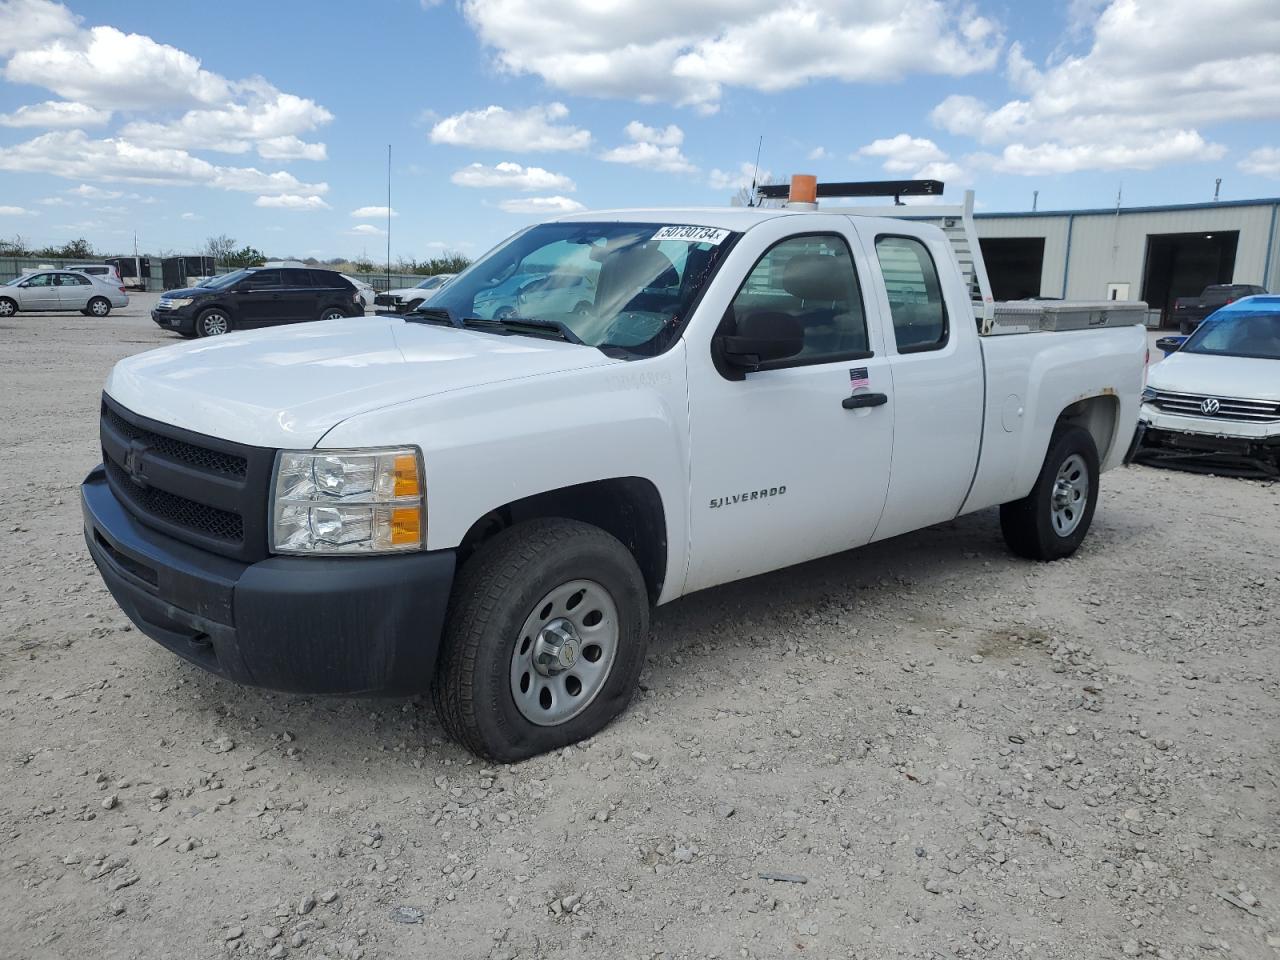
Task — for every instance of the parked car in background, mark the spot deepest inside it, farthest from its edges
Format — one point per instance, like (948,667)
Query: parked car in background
(107,271)
(410,298)
(1189,311)
(364,292)
(550,293)
(92,295)
(1214,404)
(257,297)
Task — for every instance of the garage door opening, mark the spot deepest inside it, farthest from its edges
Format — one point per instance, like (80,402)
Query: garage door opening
(1014,266)
(1183,264)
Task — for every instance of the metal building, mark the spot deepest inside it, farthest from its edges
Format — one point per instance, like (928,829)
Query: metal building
(1156,254)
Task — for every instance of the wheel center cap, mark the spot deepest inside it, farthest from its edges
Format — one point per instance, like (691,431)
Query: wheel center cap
(556,649)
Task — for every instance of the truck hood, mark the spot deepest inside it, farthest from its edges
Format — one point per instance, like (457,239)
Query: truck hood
(1242,377)
(288,386)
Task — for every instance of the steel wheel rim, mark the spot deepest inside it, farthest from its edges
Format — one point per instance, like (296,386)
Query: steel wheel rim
(214,324)
(1070,495)
(564,652)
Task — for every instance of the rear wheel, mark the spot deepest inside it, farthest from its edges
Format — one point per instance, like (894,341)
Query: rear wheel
(544,641)
(213,323)
(332,313)
(99,307)
(1052,520)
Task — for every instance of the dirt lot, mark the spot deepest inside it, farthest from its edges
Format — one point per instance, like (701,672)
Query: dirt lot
(964,755)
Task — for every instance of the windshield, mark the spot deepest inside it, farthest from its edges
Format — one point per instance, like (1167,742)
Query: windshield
(628,285)
(226,280)
(431,283)
(1238,333)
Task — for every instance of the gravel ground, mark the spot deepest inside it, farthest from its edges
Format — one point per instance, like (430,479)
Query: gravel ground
(936,751)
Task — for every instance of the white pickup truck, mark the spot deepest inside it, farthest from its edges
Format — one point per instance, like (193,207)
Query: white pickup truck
(489,508)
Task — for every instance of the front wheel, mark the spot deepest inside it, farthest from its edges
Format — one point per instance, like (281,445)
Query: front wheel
(99,307)
(7,307)
(212,323)
(544,640)
(1052,520)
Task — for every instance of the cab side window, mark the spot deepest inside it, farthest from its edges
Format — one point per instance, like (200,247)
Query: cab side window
(811,278)
(915,294)
(41,280)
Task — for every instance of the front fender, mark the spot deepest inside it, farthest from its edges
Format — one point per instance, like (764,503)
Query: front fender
(489,445)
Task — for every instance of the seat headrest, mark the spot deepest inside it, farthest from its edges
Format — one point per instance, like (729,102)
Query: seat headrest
(813,276)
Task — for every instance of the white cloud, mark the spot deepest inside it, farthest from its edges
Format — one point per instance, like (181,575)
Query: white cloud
(688,53)
(190,216)
(1265,161)
(55,113)
(904,152)
(672,136)
(107,68)
(95,193)
(818,153)
(291,201)
(55,202)
(291,148)
(367,230)
(269,118)
(550,205)
(1155,73)
(72,154)
(9,211)
(652,148)
(512,176)
(739,179)
(497,128)
(945,170)
(28,23)
(373,212)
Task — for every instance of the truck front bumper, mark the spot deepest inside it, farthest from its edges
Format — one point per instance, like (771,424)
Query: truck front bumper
(322,625)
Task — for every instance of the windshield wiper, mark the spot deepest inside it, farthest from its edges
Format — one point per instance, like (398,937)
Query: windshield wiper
(432,315)
(530,326)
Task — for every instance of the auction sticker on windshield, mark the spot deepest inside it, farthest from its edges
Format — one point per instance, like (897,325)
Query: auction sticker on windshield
(712,235)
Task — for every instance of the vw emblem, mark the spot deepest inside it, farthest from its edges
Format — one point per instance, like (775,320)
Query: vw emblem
(1210,406)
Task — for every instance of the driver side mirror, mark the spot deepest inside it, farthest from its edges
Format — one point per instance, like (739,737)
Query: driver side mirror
(759,338)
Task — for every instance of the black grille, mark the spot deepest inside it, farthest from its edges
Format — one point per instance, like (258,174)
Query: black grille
(212,522)
(202,490)
(199,457)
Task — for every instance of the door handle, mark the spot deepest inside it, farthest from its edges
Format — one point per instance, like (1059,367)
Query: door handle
(859,400)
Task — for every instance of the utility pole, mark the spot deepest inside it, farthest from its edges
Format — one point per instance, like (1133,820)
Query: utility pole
(1217,185)
(388,216)
(1035,200)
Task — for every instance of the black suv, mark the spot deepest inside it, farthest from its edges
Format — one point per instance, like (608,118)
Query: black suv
(257,297)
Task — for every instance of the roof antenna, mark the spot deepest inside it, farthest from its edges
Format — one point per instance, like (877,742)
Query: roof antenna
(751,201)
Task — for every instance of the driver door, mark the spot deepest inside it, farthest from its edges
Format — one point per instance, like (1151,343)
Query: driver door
(782,469)
(39,292)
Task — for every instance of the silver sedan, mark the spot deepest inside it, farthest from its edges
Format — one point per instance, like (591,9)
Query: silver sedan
(62,290)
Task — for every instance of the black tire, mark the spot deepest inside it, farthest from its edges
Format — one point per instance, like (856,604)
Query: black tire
(1028,524)
(494,593)
(213,323)
(98,307)
(8,308)
(332,313)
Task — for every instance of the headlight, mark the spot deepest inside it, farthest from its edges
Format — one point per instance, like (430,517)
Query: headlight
(1148,394)
(348,501)
(179,301)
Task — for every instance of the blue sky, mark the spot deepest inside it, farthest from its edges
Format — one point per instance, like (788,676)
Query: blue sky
(270,122)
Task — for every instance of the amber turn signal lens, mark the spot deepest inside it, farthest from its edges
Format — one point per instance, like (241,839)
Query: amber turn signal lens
(406,525)
(408,483)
